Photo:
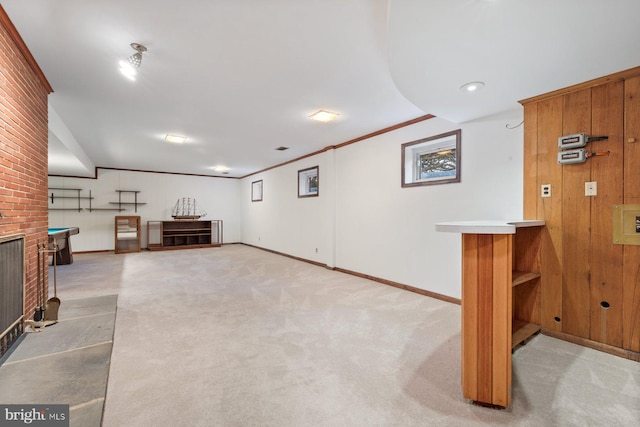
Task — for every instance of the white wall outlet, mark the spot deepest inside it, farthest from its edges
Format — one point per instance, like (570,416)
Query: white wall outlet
(545,190)
(591,188)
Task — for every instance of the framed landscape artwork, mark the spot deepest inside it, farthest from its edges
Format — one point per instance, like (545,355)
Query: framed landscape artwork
(308,182)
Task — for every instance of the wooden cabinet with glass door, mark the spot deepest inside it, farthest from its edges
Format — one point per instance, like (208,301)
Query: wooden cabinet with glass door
(127,234)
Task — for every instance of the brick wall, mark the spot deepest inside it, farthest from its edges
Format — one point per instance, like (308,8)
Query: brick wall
(23,151)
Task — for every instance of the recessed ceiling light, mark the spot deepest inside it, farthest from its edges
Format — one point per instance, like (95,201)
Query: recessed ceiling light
(323,116)
(175,139)
(472,86)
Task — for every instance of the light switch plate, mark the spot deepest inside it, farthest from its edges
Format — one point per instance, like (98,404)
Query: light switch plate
(591,188)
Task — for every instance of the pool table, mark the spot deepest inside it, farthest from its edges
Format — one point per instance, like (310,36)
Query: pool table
(62,239)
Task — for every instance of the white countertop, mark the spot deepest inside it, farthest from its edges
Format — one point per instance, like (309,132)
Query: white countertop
(488,226)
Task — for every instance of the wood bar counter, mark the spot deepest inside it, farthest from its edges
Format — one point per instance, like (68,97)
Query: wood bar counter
(500,301)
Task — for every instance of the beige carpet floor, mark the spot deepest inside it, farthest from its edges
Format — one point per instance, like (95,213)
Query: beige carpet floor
(236,336)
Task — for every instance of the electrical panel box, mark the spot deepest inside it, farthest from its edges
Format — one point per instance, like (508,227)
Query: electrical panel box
(572,156)
(626,224)
(572,141)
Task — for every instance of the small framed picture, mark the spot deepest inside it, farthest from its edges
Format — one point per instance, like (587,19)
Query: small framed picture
(309,182)
(256,191)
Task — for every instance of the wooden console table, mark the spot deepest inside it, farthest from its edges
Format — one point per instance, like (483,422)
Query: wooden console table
(500,301)
(183,234)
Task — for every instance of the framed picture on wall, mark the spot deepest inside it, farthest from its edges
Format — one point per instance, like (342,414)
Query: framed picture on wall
(433,160)
(256,191)
(309,182)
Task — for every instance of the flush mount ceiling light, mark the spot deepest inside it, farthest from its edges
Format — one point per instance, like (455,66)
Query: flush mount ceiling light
(221,169)
(175,139)
(472,87)
(323,116)
(129,68)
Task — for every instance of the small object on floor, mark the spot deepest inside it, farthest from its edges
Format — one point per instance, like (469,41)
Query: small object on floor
(38,326)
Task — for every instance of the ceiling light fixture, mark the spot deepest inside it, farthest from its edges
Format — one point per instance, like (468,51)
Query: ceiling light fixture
(472,87)
(324,116)
(175,139)
(221,169)
(129,68)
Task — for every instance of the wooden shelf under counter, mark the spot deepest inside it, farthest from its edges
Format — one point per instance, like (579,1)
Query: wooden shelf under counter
(522,277)
(500,302)
(521,331)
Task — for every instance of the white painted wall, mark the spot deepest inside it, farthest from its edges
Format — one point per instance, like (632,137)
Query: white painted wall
(364,221)
(219,197)
(284,222)
(387,231)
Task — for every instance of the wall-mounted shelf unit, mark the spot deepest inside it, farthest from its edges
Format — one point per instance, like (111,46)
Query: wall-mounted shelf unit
(65,195)
(183,234)
(91,208)
(58,193)
(135,203)
(127,234)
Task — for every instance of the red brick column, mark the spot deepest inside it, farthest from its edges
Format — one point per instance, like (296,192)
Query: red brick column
(23,150)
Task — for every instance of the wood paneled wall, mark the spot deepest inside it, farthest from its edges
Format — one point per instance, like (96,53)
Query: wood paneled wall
(590,287)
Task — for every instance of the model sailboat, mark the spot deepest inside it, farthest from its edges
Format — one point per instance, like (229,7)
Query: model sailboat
(186,208)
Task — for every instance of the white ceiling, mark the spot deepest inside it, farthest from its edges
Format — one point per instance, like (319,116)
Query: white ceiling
(240,77)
